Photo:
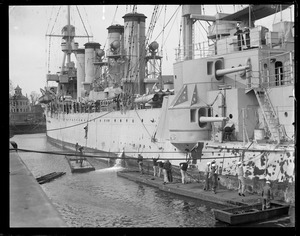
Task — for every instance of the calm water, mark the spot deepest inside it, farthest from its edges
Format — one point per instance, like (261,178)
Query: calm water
(102,199)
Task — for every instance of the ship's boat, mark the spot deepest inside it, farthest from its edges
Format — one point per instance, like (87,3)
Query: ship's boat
(249,214)
(230,99)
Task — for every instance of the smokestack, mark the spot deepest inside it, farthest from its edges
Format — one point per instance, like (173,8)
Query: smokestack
(115,52)
(134,48)
(90,70)
(80,71)
(90,53)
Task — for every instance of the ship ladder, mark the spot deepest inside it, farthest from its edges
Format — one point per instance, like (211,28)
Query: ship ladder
(269,114)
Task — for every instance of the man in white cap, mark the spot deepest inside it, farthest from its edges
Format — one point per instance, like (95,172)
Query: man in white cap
(214,175)
(266,195)
(207,177)
(155,166)
(241,180)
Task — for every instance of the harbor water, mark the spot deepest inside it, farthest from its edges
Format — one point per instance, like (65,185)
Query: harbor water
(102,199)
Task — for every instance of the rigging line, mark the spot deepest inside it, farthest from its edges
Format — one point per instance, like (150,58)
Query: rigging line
(115,14)
(275,13)
(152,20)
(82,21)
(180,30)
(152,24)
(49,54)
(55,20)
(49,20)
(250,159)
(203,27)
(116,152)
(162,40)
(169,31)
(92,156)
(112,23)
(66,127)
(168,22)
(87,19)
(155,20)
(200,30)
(144,125)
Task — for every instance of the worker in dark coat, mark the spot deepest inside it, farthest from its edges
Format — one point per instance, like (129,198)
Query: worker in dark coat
(15,145)
(229,128)
(76,147)
(140,163)
(240,39)
(81,155)
(168,168)
(183,169)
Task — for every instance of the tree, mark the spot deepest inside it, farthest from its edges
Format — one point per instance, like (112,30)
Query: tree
(34,97)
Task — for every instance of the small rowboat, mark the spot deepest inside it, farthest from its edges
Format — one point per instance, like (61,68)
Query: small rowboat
(79,164)
(251,213)
(49,177)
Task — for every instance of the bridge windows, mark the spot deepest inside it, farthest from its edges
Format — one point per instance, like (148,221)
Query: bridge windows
(278,73)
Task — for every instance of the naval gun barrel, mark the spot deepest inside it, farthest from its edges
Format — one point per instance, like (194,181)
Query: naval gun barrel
(204,119)
(147,98)
(222,72)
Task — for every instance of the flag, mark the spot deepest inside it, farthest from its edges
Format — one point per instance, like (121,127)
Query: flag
(194,98)
(183,97)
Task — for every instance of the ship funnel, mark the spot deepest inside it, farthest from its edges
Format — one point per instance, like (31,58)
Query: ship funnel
(135,49)
(90,49)
(80,56)
(115,38)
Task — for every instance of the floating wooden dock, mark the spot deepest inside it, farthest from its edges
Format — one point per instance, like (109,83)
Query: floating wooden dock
(49,177)
(251,213)
(79,164)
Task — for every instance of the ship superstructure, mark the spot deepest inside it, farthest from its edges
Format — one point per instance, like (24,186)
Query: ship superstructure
(118,99)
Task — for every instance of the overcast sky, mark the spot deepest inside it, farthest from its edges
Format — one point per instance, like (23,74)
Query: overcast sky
(29,47)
